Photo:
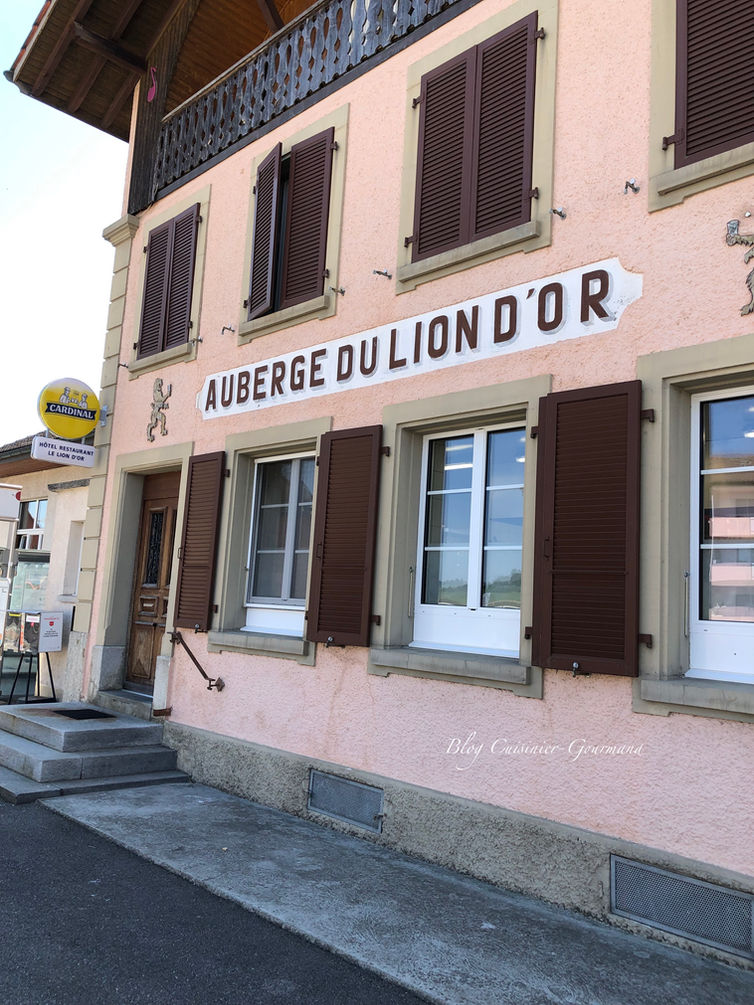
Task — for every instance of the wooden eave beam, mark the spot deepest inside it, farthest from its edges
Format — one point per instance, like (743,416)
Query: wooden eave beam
(107,49)
(125,90)
(58,50)
(87,81)
(271,15)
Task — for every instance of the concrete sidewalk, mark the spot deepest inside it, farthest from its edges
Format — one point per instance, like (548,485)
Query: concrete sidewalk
(446,937)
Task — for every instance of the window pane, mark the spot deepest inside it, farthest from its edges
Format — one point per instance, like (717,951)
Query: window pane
(450,463)
(502,578)
(298,576)
(304,508)
(505,516)
(306,480)
(41,512)
(281,530)
(276,482)
(728,433)
(25,517)
(728,513)
(303,526)
(446,577)
(727,584)
(271,527)
(448,519)
(154,550)
(268,574)
(271,524)
(505,457)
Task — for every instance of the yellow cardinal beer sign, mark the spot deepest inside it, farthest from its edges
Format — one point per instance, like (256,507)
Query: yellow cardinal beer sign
(69,408)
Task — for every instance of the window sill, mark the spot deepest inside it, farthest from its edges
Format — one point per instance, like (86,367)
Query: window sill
(526,237)
(668,188)
(458,667)
(184,352)
(694,695)
(321,307)
(288,647)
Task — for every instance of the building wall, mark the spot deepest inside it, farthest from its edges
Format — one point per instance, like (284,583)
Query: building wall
(657,762)
(65,490)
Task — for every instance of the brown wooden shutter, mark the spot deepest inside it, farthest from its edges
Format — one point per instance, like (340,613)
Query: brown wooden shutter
(155,291)
(264,249)
(183,257)
(443,178)
(714,106)
(306,221)
(504,118)
(586,557)
(199,540)
(168,284)
(340,596)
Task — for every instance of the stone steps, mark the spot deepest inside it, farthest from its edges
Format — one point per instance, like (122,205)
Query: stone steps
(15,788)
(57,748)
(51,725)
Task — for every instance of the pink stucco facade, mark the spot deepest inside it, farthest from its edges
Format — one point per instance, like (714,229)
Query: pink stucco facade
(607,754)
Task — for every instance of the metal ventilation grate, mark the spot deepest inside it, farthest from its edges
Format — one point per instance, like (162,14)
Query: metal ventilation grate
(692,908)
(347,800)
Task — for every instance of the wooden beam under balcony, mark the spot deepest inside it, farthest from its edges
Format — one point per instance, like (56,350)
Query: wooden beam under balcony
(107,49)
(271,14)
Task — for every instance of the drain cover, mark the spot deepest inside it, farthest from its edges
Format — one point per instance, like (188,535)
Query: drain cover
(84,713)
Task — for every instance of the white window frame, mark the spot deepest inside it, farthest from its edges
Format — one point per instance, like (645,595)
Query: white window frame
(24,535)
(494,631)
(284,616)
(514,404)
(717,650)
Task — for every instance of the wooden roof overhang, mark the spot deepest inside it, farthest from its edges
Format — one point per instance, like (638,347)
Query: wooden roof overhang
(16,459)
(85,57)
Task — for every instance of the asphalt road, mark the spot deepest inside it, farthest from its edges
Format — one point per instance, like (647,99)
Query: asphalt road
(85,922)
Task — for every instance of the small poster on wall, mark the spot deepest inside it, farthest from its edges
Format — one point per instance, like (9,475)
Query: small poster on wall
(30,632)
(50,632)
(12,635)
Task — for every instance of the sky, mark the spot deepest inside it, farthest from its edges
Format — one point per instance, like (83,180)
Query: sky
(61,184)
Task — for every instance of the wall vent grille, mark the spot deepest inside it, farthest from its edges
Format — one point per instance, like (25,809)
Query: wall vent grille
(704,912)
(346,800)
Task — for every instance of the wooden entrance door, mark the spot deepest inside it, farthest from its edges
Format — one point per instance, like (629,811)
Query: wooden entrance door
(149,601)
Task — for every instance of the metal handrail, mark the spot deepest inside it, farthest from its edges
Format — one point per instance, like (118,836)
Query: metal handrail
(213,682)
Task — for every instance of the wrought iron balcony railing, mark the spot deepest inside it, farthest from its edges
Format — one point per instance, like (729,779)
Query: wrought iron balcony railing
(321,46)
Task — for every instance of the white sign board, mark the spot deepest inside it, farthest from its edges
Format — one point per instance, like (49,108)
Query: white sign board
(46,448)
(50,632)
(10,501)
(584,301)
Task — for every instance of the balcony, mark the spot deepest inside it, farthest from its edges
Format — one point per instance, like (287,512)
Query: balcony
(322,49)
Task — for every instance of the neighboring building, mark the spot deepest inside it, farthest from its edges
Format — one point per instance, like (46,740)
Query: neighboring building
(40,557)
(431,432)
